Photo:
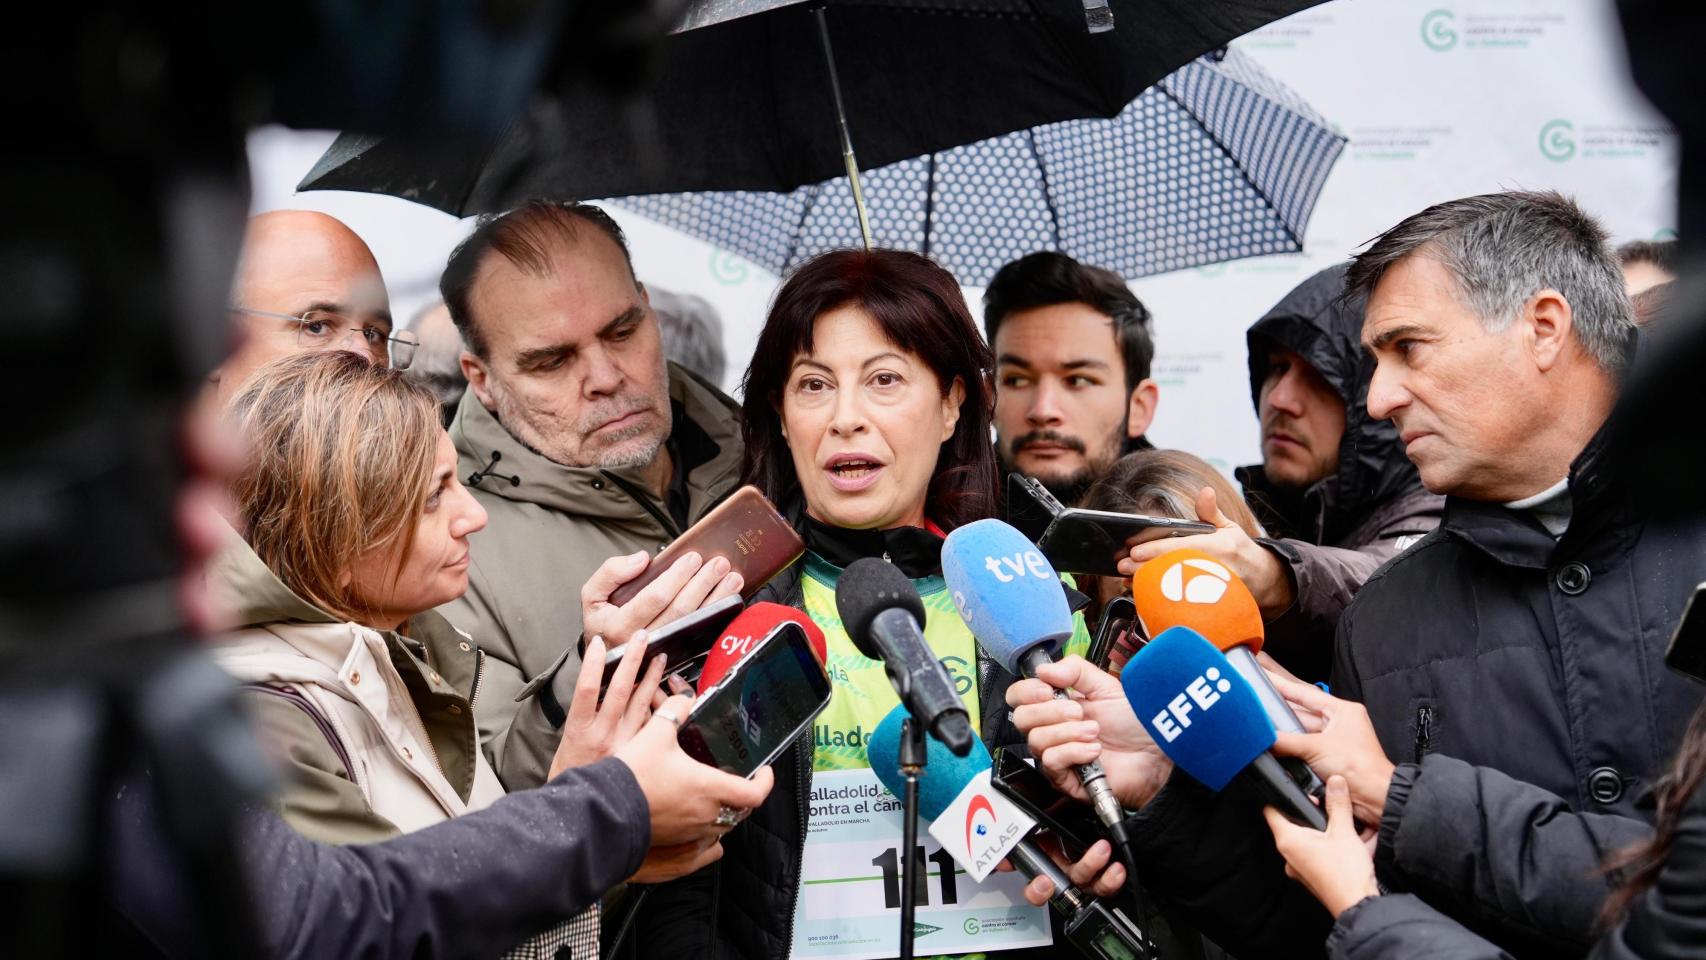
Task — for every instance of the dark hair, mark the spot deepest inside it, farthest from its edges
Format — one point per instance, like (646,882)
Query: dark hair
(1048,278)
(920,308)
(1503,248)
(1643,862)
(523,236)
(1659,253)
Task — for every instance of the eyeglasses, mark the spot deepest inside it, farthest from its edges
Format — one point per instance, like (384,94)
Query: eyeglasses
(325,330)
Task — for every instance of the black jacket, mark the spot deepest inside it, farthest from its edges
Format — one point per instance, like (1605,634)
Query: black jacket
(1333,535)
(1491,643)
(471,886)
(1556,898)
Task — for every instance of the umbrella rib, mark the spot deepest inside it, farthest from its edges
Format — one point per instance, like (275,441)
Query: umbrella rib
(814,191)
(1048,193)
(1236,163)
(929,203)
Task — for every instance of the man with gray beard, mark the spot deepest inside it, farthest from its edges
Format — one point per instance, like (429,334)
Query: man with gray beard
(589,452)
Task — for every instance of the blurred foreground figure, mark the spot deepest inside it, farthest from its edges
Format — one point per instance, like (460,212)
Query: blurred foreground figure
(121,228)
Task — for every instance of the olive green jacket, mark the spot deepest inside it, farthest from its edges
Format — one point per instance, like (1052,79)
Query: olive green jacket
(322,798)
(546,534)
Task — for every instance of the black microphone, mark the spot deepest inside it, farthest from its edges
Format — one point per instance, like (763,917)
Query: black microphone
(486,471)
(883,616)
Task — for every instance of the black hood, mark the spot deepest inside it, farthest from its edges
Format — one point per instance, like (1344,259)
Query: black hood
(1313,322)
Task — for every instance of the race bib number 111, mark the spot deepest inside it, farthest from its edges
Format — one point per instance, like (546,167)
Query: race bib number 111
(849,903)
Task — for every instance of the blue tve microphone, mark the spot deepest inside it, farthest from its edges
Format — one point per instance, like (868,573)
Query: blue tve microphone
(1209,721)
(1010,596)
(1095,928)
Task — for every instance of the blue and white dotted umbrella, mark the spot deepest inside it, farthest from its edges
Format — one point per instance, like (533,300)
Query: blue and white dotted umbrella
(1216,162)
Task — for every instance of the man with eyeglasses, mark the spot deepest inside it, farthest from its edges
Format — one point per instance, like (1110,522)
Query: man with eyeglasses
(307,282)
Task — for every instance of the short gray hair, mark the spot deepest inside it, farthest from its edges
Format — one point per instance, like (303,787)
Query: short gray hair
(1502,249)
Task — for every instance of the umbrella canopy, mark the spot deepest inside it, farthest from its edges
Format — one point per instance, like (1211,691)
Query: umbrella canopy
(1218,161)
(745,103)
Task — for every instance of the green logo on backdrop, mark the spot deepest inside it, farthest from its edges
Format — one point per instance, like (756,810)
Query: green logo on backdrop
(1437,30)
(922,929)
(972,926)
(1557,140)
(1668,233)
(728,268)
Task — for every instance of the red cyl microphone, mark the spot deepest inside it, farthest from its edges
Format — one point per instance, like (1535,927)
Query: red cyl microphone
(1189,588)
(743,635)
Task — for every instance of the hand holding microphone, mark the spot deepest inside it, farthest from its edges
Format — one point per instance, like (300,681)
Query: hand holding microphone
(1340,742)
(1096,725)
(1010,596)
(1334,864)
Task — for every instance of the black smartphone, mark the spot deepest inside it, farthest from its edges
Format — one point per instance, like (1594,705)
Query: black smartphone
(1687,652)
(1073,822)
(760,706)
(685,641)
(1085,541)
(1119,635)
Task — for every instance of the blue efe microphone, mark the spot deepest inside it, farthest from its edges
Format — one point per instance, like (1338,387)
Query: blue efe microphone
(1209,721)
(1010,596)
(1095,928)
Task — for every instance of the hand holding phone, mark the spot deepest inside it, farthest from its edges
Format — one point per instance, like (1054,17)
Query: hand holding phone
(760,706)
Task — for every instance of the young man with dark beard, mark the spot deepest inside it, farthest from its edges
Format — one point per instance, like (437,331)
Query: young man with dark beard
(1072,389)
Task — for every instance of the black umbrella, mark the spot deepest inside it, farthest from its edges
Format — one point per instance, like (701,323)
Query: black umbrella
(750,103)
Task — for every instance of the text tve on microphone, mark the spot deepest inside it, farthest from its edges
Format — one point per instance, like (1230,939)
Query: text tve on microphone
(1202,714)
(1007,593)
(747,632)
(972,820)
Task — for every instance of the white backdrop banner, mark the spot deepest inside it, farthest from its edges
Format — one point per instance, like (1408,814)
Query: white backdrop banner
(1438,100)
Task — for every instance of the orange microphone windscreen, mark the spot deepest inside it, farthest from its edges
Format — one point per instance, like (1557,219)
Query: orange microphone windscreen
(1188,588)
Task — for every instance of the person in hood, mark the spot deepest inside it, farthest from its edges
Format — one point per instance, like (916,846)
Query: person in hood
(356,528)
(589,452)
(1334,486)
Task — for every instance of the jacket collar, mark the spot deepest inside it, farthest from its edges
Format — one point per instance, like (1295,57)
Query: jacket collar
(705,432)
(1598,518)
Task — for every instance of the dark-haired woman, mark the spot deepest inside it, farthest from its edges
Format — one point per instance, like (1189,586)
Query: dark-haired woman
(1508,858)
(867,420)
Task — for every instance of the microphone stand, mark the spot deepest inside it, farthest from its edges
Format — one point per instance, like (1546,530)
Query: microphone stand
(912,757)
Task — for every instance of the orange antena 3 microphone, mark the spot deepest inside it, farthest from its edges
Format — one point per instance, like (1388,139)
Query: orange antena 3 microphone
(1189,588)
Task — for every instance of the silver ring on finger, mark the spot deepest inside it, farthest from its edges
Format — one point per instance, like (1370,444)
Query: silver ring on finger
(727,816)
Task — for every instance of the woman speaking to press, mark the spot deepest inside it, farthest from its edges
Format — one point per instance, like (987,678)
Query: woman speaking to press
(867,421)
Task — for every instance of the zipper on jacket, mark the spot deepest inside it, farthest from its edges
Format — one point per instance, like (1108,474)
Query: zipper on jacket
(302,703)
(805,781)
(474,688)
(645,502)
(1424,730)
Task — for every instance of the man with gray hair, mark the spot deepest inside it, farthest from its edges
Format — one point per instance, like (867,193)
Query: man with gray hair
(1523,639)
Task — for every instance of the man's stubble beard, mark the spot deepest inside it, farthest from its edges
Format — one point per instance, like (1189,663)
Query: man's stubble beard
(515,420)
(1075,486)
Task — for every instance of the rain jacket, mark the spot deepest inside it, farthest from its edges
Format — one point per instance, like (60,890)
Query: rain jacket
(544,537)
(1492,643)
(376,728)
(1333,535)
(1474,872)
(376,731)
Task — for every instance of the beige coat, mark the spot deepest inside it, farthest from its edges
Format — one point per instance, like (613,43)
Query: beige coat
(336,701)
